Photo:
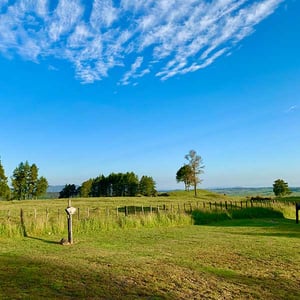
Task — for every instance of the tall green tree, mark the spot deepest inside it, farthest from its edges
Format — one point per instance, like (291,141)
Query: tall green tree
(68,191)
(184,174)
(85,188)
(281,188)
(20,181)
(196,164)
(4,188)
(41,187)
(26,183)
(147,186)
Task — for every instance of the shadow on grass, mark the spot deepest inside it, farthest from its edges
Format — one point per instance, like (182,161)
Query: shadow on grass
(250,217)
(271,286)
(43,240)
(26,278)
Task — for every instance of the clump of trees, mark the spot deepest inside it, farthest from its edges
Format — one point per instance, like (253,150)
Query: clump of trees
(190,172)
(281,188)
(113,185)
(26,182)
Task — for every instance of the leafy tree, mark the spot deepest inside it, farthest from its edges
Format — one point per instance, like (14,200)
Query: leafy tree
(280,188)
(41,187)
(85,188)
(147,186)
(33,178)
(68,191)
(130,184)
(184,174)
(196,164)
(20,181)
(4,188)
(26,183)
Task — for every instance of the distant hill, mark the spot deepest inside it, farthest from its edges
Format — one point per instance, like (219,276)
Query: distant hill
(55,188)
(251,191)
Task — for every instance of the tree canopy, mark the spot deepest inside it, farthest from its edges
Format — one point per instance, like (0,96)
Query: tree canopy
(184,174)
(4,188)
(118,185)
(26,183)
(195,163)
(281,188)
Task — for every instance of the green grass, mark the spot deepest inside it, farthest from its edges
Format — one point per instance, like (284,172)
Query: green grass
(248,253)
(242,259)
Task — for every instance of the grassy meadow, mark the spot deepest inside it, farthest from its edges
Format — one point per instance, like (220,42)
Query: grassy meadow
(155,253)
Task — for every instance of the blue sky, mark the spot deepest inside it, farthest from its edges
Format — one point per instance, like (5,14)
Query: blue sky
(94,87)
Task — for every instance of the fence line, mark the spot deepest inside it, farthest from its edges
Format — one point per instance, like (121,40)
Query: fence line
(142,209)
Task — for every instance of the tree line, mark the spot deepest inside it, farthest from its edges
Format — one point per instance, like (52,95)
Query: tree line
(25,181)
(114,185)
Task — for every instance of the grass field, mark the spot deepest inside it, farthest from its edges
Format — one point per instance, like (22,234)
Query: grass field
(257,258)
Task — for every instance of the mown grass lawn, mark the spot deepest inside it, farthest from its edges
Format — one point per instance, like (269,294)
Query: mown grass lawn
(238,259)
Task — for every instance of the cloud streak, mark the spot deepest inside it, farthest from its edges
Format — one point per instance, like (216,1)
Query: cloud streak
(166,38)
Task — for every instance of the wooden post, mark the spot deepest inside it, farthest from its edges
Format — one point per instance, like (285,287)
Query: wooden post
(78,213)
(70,229)
(226,205)
(69,216)
(297,212)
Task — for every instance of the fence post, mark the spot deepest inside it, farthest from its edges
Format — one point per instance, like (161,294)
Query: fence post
(226,205)
(297,212)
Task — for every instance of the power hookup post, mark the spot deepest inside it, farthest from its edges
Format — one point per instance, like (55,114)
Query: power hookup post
(70,211)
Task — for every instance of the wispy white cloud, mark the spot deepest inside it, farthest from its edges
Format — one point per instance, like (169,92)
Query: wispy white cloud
(292,108)
(177,36)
